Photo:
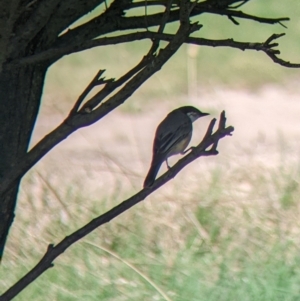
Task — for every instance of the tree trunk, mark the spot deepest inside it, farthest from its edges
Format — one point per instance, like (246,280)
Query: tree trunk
(20,95)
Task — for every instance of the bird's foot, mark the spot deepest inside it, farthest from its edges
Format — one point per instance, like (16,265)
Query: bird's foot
(168,166)
(189,149)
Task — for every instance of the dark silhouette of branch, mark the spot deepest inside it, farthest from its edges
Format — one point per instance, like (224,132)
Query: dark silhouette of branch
(39,18)
(163,23)
(70,11)
(267,46)
(240,14)
(131,81)
(112,85)
(150,64)
(88,29)
(87,35)
(96,81)
(202,149)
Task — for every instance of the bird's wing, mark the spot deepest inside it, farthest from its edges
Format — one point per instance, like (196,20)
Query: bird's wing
(169,135)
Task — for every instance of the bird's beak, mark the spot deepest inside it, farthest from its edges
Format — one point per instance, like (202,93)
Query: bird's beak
(205,114)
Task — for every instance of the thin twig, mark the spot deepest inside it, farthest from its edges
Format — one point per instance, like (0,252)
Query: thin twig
(94,82)
(233,20)
(93,102)
(238,5)
(161,28)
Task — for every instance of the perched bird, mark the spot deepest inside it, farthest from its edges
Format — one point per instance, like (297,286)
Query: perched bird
(171,138)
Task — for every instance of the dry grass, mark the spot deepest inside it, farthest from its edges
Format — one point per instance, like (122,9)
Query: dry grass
(225,227)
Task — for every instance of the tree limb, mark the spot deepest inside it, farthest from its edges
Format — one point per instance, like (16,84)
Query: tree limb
(70,11)
(164,21)
(8,15)
(83,118)
(200,8)
(266,47)
(110,21)
(112,85)
(39,18)
(117,22)
(97,80)
(53,251)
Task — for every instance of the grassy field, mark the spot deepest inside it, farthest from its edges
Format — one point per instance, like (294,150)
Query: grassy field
(229,233)
(235,237)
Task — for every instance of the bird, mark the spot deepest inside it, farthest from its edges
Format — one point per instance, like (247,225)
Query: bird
(172,136)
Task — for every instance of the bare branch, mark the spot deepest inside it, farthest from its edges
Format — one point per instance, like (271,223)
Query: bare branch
(219,7)
(161,28)
(238,5)
(266,46)
(210,139)
(96,81)
(81,37)
(233,20)
(76,121)
(92,103)
(151,3)
(203,8)
(99,25)
(68,12)
(88,30)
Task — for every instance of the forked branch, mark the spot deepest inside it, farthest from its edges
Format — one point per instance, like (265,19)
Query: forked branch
(89,112)
(92,33)
(267,46)
(210,139)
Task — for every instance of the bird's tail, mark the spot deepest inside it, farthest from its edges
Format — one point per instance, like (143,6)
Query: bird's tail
(154,168)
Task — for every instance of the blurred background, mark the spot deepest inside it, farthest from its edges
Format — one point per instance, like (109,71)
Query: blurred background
(226,228)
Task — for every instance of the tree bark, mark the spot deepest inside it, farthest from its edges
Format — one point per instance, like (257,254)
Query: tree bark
(20,94)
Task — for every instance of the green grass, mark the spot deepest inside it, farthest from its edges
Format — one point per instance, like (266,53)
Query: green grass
(234,238)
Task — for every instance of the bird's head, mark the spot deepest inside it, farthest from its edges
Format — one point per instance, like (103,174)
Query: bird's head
(192,112)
